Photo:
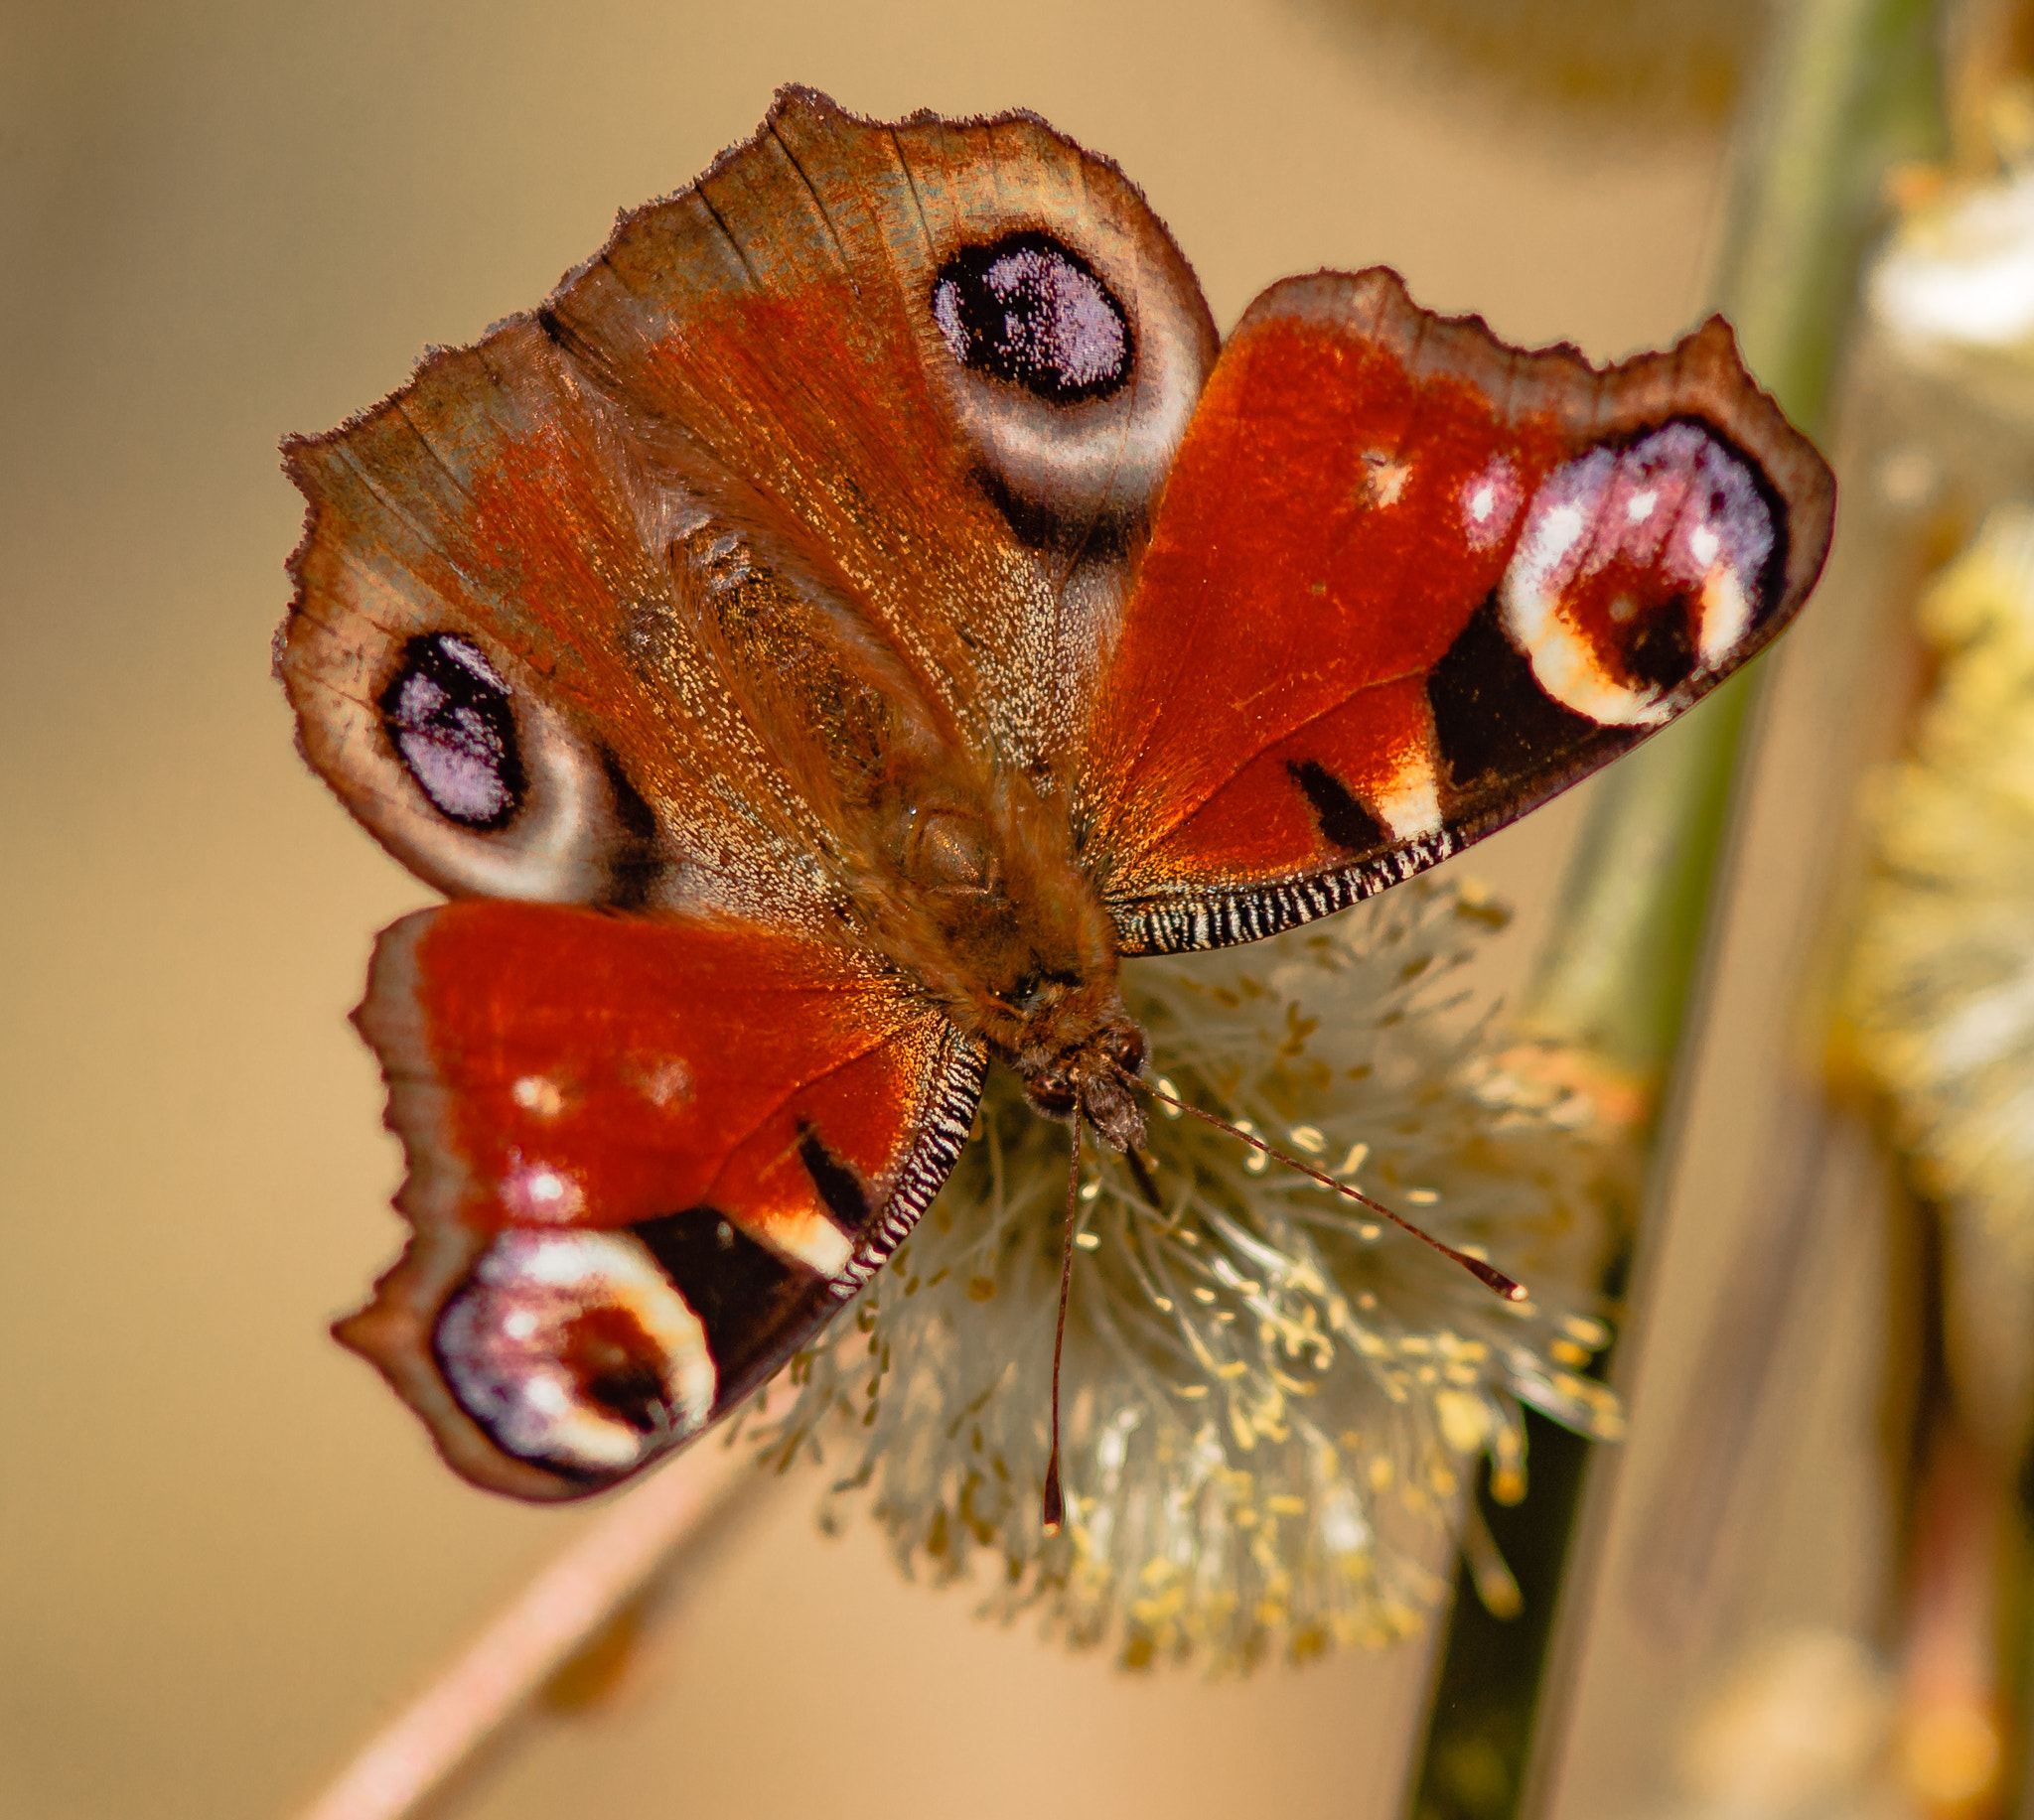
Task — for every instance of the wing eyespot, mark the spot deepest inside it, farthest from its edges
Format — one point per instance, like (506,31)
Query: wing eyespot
(1029,309)
(574,1350)
(448,714)
(1641,569)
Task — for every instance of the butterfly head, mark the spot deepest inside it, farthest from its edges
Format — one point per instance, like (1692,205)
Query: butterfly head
(1082,1056)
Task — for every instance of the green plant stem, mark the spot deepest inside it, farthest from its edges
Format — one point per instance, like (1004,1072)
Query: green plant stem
(1614,977)
(1847,87)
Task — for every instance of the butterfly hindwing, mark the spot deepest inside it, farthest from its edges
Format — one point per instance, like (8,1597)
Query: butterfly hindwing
(1406,584)
(648,1159)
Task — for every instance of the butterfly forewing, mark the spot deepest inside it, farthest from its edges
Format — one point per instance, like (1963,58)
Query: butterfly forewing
(649,1157)
(944,365)
(1409,583)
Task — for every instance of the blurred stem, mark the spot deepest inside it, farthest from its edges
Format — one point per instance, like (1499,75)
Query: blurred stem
(1847,87)
(1615,976)
(406,1768)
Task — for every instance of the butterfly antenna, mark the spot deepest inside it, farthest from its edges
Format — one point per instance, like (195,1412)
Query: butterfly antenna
(1487,1274)
(1055,1514)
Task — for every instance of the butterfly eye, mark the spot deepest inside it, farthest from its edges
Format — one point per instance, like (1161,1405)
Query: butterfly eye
(1032,311)
(575,1350)
(1053,1092)
(1126,1048)
(447,715)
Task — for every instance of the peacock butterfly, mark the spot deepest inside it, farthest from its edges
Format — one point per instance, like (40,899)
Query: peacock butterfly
(861,606)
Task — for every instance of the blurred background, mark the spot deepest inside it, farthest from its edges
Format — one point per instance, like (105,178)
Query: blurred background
(226,1556)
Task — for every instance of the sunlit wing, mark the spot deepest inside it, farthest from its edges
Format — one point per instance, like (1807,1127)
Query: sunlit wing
(938,369)
(1406,584)
(648,1159)
(840,457)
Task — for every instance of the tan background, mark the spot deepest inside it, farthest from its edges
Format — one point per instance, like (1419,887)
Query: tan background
(223,1551)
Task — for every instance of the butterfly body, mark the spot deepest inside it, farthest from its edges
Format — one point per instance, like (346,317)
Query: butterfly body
(857,611)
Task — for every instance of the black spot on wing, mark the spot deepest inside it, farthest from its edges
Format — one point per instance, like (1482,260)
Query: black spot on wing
(618,1367)
(1029,309)
(1662,651)
(554,330)
(840,1187)
(634,864)
(1344,822)
(1102,536)
(743,1293)
(1492,720)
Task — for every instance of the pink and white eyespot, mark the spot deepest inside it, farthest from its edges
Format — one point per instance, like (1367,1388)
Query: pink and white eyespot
(1638,571)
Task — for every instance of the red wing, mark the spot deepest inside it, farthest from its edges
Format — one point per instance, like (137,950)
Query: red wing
(648,1159)
(1407,583)
(825,478)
